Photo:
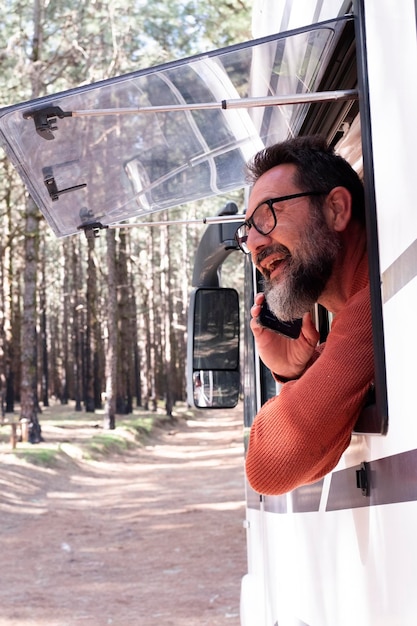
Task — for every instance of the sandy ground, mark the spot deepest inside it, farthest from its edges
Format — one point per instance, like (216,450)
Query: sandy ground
(154,537)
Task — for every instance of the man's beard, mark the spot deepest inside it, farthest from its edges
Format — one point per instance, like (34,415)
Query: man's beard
(305,272)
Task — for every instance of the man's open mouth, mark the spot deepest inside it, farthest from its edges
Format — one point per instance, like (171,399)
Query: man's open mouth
(271,267)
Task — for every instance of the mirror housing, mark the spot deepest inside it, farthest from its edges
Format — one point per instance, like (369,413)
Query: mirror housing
(213,378)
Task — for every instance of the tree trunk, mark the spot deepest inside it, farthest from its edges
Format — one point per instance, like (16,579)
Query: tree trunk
(44,337)
(109,419)
(135,341)
(66,377)
(3,346)
(148,316)
(77,317)
(29,400)
(124,391)
(90,327)
(9,326)
(167,322)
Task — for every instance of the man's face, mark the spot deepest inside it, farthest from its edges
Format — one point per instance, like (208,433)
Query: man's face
(296,259)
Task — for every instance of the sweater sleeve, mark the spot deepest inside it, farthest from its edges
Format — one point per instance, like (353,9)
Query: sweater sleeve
(315,356)
(299,435)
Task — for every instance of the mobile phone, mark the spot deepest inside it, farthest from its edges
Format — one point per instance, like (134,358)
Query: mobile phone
(268,320)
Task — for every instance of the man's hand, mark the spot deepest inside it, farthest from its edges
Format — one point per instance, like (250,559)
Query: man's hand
(285,357)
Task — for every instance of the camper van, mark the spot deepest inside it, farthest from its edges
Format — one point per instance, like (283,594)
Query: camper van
(341,551)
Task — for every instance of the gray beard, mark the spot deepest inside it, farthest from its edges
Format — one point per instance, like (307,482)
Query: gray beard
(306,271)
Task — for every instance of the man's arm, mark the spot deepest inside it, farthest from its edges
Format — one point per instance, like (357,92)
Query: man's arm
(299,435)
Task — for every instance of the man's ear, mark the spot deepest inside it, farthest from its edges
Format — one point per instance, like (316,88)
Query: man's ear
(339,208)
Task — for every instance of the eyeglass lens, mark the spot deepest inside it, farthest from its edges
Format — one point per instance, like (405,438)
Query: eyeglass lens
(264,219)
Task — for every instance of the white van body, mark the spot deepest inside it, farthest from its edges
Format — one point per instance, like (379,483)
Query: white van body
(328,554)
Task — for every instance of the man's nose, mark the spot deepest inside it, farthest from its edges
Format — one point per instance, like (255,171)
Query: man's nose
(256,240)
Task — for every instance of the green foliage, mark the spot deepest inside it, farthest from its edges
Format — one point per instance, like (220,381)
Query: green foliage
(105,444)
(183,28)
(79,443)
(42,457)
(141,426)
(50,46)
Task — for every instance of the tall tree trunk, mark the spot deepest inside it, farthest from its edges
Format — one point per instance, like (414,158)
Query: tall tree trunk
(136,384)
(3,343)
(44,336)
(15,352)
(185,281)
(29,400)
(167,321)
(109,419)
(66,365)
(28,386)
(90,334)
(9,326)
(77,318)
(124,391)
(148,320)
(55,359)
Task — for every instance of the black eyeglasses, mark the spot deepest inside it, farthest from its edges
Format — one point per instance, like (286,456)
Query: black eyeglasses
(264,218)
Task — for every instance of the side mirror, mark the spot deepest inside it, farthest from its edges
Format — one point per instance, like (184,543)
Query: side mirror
(213,378)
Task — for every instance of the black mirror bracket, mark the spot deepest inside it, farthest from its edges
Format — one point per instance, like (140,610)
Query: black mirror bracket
(45,120)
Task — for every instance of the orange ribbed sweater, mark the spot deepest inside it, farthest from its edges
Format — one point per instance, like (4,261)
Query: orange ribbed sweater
(299,435)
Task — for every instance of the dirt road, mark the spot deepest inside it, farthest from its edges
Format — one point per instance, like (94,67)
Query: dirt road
(153,538)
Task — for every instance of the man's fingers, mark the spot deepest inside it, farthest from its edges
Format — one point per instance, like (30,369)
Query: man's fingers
(309,331)
(256,308)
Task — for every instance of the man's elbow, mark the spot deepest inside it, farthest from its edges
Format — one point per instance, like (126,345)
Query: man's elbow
(273,477)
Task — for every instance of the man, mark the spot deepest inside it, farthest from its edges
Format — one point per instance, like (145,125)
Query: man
(305,229)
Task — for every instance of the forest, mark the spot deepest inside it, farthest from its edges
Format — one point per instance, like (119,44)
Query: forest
(98,322)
